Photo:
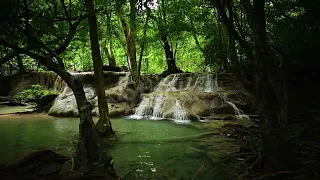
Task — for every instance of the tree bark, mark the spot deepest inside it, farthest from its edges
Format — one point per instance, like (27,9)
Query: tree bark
(171,62)
(129,33)
(112,60)
(144,39)
(271,96)
(109,53)
(235,64)
(104,124)
(231,29)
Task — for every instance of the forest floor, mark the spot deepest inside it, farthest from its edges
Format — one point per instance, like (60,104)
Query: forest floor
(304,155)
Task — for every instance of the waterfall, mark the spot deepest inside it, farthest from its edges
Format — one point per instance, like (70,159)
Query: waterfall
(189,79)
(164,102)
(209,86)
(164,85)
(238,112)
(159,103)
(178,113)
(144,109)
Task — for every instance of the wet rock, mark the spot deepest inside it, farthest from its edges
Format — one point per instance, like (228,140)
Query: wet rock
(45,102)
(119,90)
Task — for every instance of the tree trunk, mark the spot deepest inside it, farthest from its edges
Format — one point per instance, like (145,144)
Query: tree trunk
(20,65)
(144,40)
(171,62)
(104,124)
(129,33)
(109,54)
(231,29)
(112,59)
(88,144)
(235,65)
(269,94)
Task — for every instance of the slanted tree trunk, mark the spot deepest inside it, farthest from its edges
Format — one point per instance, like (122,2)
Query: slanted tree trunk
(88,148)
(270,94)
(227,21)
(171,62)
(88,144)
(129,33)
(144,39)
(104,124)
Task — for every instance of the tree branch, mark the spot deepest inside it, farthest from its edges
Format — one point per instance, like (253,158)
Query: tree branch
(66,11)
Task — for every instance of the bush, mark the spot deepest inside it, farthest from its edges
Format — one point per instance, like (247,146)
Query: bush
(32,94)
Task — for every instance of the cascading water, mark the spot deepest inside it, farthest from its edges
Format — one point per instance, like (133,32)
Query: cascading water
(209,86)
(238,112)
(164,85)
(159,103)
(178,113)
(164,103)
(144,109)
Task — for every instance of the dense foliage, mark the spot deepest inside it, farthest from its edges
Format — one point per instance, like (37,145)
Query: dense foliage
(34,93)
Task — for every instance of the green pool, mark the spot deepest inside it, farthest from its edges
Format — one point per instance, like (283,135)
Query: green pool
(146,149)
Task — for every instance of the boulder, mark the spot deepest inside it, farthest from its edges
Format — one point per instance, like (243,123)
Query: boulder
(119,90)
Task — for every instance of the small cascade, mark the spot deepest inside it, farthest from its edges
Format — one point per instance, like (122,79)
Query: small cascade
(144,109)
(178,113)
(209,85)
(216,85)
(174,99)
(159,104)
(164,85)
(189,79)
(238,112)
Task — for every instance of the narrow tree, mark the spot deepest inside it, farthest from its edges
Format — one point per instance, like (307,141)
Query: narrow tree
(130,34)
(164,36)
(270,94)
(104,124)
(144,38)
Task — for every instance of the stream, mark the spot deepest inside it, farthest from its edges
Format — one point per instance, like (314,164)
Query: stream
(146,149)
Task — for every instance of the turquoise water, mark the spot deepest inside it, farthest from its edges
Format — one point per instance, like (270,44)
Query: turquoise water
(145,149)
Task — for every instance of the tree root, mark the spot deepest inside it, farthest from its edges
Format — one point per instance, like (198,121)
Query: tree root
(198,172)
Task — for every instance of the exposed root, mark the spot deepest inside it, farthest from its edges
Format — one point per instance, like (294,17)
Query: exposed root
(198,172)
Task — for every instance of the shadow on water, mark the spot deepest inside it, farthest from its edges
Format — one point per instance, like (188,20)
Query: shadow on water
(145,149)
